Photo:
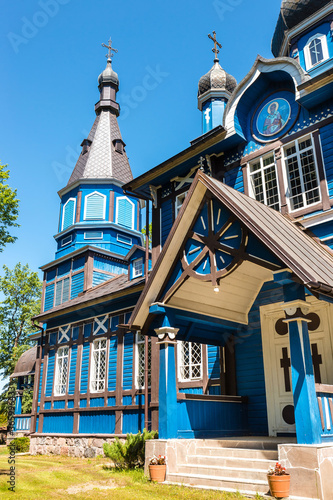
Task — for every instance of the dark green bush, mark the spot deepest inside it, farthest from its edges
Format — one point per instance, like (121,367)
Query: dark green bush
(21,444)
(131,453)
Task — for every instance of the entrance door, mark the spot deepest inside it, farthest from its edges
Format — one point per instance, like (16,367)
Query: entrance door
(276,351)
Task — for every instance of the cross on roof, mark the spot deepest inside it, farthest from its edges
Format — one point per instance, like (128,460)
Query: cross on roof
(109,55)
(216,44)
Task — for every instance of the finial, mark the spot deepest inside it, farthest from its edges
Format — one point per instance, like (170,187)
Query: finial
(109,55)
(216,44)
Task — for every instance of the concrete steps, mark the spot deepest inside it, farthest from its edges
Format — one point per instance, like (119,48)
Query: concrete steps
(228,464)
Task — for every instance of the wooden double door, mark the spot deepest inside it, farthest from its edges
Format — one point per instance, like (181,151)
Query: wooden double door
(277,364)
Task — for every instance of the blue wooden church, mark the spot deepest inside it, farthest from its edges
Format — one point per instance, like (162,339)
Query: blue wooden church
(221,337)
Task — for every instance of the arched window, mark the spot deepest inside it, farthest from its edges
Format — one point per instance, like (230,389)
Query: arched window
(94,208)
(125,212)
(315,51)
(68,213)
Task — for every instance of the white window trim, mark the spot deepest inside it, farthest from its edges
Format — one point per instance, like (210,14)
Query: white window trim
(177,208)
(117,209)
(85,205)
(137,343)
(262,168)
(134,274)
(57,393)
(86,237)
(285,175)
(179,359)
(307,55)
(68,242)
(92,363)
(63,213)
(124,242)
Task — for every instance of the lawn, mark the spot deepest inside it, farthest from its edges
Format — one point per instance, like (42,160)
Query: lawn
(55,477)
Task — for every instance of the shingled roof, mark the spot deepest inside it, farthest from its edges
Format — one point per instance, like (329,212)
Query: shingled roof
(104,291)
(293,12)
(101,160)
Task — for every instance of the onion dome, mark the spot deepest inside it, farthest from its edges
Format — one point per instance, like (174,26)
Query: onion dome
(216,79)
(108,75)
(293,12)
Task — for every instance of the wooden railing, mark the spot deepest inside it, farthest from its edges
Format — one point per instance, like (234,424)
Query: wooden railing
(325,403)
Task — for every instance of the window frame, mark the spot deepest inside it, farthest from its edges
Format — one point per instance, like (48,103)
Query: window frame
(307,53)
(63,214)
(139,343)
(285,174)
(93,366)
(58,371)
(181,365)
(261,159)
(85,206)
(177,206)
(134,274)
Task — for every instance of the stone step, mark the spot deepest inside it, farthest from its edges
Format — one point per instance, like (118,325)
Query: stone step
(248,443)
(238,452)
(238,473)
(246,487)
(242,462)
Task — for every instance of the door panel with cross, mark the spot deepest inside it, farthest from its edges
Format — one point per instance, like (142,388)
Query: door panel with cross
(276,352)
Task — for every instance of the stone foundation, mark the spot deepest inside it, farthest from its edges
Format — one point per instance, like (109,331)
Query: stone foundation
(88,447)
(311,469)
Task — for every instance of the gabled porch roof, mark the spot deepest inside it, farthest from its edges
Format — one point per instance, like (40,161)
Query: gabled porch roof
(268,242)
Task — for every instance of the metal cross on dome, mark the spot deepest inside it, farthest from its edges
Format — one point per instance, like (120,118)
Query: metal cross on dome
(216,44)
(109,55)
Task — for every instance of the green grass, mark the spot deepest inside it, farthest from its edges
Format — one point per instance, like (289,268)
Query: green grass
(54,477)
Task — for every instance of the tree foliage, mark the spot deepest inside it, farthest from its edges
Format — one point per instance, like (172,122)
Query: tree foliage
(131,453)
(8,208)
(21,288)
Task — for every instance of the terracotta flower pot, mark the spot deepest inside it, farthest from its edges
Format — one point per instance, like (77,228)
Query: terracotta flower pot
(279,485)
(157,473)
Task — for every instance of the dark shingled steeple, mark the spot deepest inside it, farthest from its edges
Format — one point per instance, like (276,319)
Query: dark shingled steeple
(103,153)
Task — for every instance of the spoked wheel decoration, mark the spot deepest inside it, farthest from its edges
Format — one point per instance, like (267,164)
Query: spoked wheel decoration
(216,245)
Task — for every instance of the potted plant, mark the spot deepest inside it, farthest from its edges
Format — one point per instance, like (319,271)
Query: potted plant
(278,481)
(157,468)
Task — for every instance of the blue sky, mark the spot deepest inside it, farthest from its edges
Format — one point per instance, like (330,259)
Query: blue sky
(51,56)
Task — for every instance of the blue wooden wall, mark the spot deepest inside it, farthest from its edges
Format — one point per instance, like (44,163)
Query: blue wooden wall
(166,219)
(50,374)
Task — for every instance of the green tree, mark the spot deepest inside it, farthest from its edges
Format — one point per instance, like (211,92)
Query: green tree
(8,208)
(21,288)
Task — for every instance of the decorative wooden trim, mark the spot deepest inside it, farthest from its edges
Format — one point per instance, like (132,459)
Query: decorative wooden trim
(116,408)
(138,214)
(205,379)
(42,301)
(88,271)
(156,229)
(119,381)
(222,372)
(111,207)
(78,206)
(320,164)
(40,422)
(245,179)
(321,413)
(230,367)
(207,397)
(325,388)
(190,384)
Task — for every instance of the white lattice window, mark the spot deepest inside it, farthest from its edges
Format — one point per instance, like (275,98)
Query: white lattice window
(60,387)
(315,51)
(189,361)
(179,202)
(140,361)
(98,366)
(302,176)
(264,182)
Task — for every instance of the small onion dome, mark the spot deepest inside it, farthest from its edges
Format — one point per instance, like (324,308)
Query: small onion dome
(108,75)
(216,79)
(293,12)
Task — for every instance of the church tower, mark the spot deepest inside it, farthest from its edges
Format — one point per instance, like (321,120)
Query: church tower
(98,223)
(215,89)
